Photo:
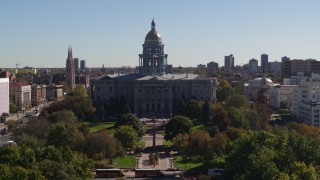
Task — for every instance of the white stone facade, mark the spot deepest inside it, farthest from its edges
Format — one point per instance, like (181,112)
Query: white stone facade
(20,95)
(4,95)
(281,94)
(306,100)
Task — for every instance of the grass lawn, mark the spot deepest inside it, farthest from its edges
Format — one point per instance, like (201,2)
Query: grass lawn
(167,143)
(198,127)
(95,127)
(126,162)
(186,164)
(141,143)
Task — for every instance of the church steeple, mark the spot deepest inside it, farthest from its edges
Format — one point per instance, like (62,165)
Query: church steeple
(153,25)
(70,72)
(70,53)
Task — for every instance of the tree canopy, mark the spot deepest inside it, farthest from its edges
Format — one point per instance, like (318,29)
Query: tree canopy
(127,136)
(177,125)
(131,120)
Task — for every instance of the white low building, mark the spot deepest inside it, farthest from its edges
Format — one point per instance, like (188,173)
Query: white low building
(4,95)
(264,90)
(256,86)
(20,95)
(281,96)
(306,100)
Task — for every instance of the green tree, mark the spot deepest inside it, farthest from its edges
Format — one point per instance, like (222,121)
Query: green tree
(77,101)
(131,120)
(62,136)
(10,154)
(194,109)
(12,108)
(219,143)
(180,142)
(28,157)
(253,157)
(224,83)
(206,112)
(220,117)
(102,145)
(238,117)
(5,171)
(177,125)
(225,92)
(30,141)
(238,101)
(254,120)
(200,145)
(301,171)
(81,91)
(63,117)
(19,172)
(39,128)
(127,136)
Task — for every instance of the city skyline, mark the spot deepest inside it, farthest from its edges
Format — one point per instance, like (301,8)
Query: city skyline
(38,33)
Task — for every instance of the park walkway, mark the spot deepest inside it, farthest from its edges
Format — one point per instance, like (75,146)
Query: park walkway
(144,163)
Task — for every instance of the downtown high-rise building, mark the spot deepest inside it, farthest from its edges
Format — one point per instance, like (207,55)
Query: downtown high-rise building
(82,65)
(253,66)
(264,62)
(70,73)
(229,62)
(76,64)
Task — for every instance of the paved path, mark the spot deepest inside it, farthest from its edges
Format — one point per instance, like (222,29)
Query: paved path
(144,162)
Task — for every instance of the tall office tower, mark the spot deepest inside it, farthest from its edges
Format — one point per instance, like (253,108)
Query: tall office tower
(264,62)
(76,64)
(212,67)
(70,75)
(153,60)
(229,62)
(253,66)
(82,64)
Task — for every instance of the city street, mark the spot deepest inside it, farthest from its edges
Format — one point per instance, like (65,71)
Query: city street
(20,118)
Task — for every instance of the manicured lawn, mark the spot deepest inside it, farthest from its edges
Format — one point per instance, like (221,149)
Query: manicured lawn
(126,162)
(141,143)
(95,127)
(185,164)
(197,127)
(167,143)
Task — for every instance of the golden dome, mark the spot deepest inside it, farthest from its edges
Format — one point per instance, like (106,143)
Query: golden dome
(153,36)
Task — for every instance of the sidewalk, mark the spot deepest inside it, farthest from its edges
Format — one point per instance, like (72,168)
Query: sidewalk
(144,163)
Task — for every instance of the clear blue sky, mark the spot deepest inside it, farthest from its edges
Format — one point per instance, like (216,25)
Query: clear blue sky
(37,33)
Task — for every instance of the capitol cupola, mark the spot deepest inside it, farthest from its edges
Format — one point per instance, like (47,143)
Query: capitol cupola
(153,60)
(153,36)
